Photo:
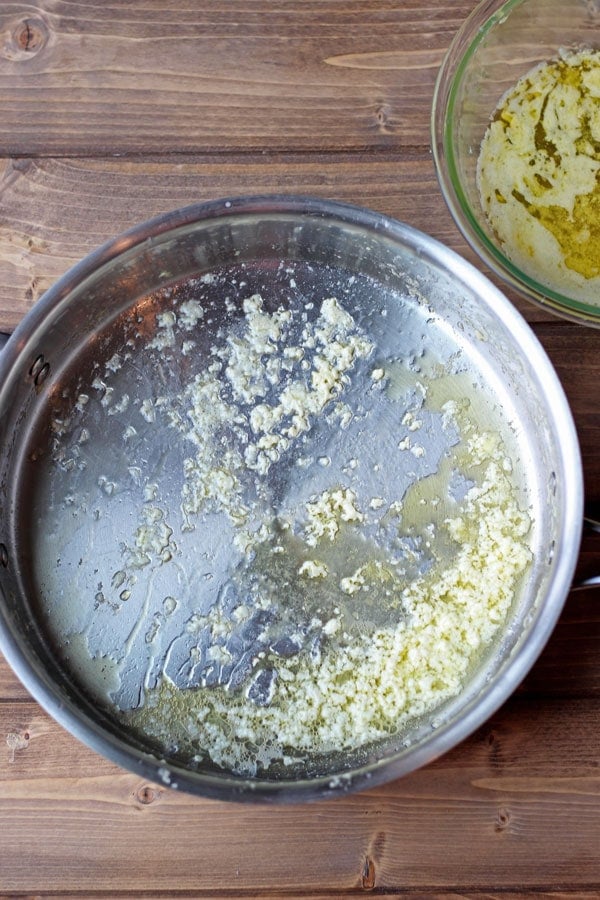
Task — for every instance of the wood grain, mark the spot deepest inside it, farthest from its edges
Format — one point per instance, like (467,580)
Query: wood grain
(114,113)
(53,212)
(10,686)
(90,79)
(574,351)
(54,786)
(473,818)
(433,894)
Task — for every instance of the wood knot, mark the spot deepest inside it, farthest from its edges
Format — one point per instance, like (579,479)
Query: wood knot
(17,740)
(147,794)
(495,749)
(31,35)
(378,845)
(367,878)
(22,165)
(503,818)
(382,118)
(27,38)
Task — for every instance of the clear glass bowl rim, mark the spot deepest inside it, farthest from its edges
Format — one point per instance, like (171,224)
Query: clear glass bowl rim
(484,17)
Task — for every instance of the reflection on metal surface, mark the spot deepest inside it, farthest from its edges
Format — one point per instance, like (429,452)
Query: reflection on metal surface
(242,477)
(112,551)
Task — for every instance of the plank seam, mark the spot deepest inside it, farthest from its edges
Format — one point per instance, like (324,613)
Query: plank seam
(259,152)
(435,890)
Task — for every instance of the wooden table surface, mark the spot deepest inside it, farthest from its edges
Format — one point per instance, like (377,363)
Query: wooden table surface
(112,113)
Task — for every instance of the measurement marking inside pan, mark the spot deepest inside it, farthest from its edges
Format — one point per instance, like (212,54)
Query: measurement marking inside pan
(309,534)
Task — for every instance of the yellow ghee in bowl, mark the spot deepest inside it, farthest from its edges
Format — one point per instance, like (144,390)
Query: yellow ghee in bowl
(538,174)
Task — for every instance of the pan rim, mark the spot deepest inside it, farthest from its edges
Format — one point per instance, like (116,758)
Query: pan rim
(480,708)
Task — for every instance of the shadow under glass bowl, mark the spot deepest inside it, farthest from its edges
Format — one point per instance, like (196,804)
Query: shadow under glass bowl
(497,44)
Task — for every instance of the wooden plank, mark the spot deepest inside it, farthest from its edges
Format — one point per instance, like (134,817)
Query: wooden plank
(153,76)
(53,212)
(110,114)
(573,349)
(10,686)
(473,820)
(336,895)
(434,894)
(568,667)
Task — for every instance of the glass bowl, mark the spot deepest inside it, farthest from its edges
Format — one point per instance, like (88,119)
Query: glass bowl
(496,45)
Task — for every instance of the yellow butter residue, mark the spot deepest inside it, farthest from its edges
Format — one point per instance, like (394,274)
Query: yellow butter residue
(326,512)
(539,174)
(367,686)
(374,640)
(312,568)
(258,380)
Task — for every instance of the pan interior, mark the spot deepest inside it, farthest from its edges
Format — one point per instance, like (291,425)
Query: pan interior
(247,472)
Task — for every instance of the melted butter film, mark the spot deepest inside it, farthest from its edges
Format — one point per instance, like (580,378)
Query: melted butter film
(372,640)
(538,174)
(313,536)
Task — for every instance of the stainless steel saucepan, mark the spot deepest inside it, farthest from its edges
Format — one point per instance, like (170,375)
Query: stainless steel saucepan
(169,406)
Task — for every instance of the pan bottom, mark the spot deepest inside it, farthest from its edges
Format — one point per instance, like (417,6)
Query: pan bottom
(275,514)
